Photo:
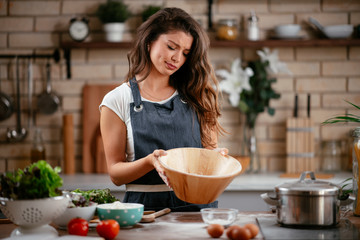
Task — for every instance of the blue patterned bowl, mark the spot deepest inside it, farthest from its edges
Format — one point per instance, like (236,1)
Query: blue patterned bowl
(126,214)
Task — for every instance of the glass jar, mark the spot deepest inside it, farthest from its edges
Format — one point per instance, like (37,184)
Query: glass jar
(38,148)
(356,180)
(253,32)
(227,29)
(331,156)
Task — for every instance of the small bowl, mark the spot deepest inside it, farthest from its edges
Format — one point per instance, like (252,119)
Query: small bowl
(222,216)
(127,216)
(287,30)
(199,175)
(86,213)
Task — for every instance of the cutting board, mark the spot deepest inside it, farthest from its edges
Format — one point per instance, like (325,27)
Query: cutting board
(93,151)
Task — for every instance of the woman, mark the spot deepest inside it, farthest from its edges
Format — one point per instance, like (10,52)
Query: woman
(167,101)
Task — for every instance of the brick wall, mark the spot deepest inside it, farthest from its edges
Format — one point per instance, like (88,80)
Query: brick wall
(330,74)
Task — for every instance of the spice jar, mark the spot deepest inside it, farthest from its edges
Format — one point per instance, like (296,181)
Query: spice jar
(331,156)
(227,29)
(356,180)
(253,32)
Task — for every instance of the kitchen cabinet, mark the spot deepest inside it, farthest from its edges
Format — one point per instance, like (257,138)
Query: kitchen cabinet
(67,46)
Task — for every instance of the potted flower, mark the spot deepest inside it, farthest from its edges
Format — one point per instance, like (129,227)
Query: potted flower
(113,15)
(250,90)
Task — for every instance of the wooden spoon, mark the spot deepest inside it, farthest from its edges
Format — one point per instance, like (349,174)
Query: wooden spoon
(151,217)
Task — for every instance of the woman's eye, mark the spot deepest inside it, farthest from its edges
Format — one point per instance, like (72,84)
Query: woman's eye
(186,54)
(171,48)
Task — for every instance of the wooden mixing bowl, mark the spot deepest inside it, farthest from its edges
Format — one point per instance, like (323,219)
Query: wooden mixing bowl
(199,175)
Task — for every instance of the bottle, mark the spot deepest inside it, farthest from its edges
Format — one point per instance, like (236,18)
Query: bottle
(38,148)
(356,180)
(253,32)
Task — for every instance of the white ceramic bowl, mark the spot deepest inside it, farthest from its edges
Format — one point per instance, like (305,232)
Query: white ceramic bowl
(86,213)
(287,31)
(338,31)
(222,216)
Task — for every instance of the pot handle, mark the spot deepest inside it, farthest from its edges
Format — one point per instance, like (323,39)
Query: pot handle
(347,201)
(304,174)
(269,200)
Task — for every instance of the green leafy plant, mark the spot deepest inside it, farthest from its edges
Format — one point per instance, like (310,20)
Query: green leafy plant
(148,11)
(38,180)
(113,11)
(344,118)
(99,196)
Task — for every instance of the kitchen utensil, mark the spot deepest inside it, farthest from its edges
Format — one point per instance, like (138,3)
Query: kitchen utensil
(199,175)
(333,31)
(127,216)
(151,217)
(48,102)
(86,213)
(33,216)
(30,92)
(19,133)
(307,202)
(222,216)
(68,143)
(287,31)
(6,104)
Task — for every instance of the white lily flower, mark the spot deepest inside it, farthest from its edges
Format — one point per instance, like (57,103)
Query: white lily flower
(235,81)
(275,66)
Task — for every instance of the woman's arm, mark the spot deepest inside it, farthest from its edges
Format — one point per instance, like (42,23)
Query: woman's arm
(113,132)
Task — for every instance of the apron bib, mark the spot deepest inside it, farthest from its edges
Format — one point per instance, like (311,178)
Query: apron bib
(160,126)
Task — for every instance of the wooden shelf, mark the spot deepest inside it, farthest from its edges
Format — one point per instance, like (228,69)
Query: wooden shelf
(233,44)
(67,46)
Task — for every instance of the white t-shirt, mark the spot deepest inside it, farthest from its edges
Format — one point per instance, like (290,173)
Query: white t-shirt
(118,100)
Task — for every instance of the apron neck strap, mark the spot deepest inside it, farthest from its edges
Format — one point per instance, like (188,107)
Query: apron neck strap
(135,92)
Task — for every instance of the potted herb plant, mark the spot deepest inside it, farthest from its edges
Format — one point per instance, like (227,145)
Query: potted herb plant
(148,11)
(113,15)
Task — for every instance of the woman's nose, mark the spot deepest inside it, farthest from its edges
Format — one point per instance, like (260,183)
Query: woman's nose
(176,57)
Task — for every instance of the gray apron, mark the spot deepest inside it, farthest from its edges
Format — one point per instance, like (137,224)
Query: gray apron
(161,126)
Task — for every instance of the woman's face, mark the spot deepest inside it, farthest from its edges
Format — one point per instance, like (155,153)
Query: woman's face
(168,53)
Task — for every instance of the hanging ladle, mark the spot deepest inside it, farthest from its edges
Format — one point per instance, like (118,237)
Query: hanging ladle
(19,133)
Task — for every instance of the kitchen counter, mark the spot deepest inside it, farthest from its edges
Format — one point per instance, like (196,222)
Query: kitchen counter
(180,225)
(243,193)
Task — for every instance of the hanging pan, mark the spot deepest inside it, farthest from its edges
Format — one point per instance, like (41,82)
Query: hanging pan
(6,105)
(48,102)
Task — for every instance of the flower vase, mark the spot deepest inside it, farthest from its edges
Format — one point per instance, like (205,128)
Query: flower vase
(249,148)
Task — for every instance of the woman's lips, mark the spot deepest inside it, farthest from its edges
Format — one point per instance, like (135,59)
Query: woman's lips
(170,66)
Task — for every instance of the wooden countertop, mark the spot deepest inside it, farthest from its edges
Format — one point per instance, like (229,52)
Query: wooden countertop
(175,225)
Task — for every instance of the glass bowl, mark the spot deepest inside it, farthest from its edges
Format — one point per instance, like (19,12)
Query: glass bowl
(222,216)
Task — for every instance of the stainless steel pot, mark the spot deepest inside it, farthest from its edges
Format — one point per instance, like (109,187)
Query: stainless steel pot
(307,202)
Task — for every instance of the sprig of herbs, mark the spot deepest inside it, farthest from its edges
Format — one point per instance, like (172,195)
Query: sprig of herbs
(347,117)
(99,196)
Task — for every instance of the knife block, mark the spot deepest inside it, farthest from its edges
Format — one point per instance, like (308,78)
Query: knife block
(300,145)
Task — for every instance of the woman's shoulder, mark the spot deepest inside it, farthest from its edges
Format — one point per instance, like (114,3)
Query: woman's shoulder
(121,92)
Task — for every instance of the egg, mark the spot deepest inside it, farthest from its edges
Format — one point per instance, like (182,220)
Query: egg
(237,232)
(215,230)
(253,228)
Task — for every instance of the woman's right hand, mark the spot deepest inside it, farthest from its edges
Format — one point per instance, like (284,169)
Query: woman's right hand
(154,157)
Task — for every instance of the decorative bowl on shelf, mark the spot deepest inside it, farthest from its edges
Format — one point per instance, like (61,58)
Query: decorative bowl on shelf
(287,31)
(126,214)
(199,175)
(33,216)
(222,216)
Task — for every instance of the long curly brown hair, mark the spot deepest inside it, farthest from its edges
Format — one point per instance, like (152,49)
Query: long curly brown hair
(195,80)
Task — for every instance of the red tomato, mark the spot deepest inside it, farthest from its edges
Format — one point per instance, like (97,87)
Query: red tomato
(78,226)
(108,229)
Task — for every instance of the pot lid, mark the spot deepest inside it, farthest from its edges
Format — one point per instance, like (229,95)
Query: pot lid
(308,186)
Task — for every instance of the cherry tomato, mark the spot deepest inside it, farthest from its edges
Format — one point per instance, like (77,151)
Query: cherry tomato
(108,229)
(78,226)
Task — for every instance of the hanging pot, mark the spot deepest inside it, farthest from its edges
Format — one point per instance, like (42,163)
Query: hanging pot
(6,106)
(48,102)
(307,202)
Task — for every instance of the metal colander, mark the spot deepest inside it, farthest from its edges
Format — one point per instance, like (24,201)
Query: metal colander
(35,212)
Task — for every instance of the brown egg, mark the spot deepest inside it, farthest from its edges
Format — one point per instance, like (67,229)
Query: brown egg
(253,228)
(215,230)
(240,233)
(229,231)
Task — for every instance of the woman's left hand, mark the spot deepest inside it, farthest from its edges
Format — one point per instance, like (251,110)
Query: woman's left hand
(223,151)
